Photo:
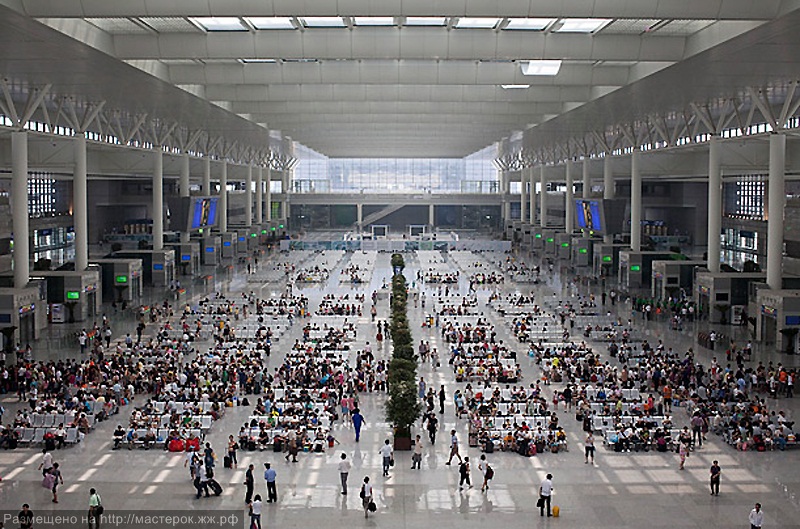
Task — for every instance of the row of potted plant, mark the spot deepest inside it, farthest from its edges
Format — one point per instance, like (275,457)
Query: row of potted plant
(402,407)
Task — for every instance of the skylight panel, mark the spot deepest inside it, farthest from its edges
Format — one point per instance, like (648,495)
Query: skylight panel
(581,25)
(219,23)
(323,22)
(549,67)
(258,61)
(529,24)
(425,21)
(515,86)
(374,21)
(476,23)
(271,22)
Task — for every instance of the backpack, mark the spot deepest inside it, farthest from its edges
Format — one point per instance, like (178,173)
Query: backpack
(361,494)
(489,472)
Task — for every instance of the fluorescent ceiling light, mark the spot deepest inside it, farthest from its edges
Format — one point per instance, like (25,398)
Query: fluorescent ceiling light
(476,23)
(219,23)
(541,67)
(323,22)
(425,21)
(514,86)
(374,21)
(258,61)
(271,22)
(581,25)
(530,24)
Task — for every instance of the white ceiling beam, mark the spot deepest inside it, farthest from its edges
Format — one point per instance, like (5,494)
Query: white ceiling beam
(482,111)
(394,72)
(403,93)
(677,9)
(404,44)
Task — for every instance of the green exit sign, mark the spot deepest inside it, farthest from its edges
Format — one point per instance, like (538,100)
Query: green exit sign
(273,228)
(636,268)
(538,235)
(550,239)
(121,279)
(280,226)
(607,258)
(72,294)
(565,245)
(583,250)
(263,232)
(253,235)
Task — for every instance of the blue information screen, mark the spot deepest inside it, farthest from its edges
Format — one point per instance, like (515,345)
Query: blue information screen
(204,212)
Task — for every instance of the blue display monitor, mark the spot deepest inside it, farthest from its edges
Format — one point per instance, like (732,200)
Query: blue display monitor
(204,212)
(186,257)
(589,215)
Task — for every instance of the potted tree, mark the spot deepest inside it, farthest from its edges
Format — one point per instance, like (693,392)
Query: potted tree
(403,409)
(398,263)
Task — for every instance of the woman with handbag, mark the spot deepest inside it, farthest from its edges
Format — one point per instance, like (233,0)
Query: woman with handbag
(95,508)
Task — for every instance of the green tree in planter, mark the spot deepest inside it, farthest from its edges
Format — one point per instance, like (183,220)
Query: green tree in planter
(401,370)
(398,264)
(403,408)
(404,352)
(401,337)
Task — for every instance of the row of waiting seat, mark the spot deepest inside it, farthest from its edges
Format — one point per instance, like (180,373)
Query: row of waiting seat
(203,421)
(35,435)
(180,407)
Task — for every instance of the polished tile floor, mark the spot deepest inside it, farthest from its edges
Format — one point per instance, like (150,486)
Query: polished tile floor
(620,490)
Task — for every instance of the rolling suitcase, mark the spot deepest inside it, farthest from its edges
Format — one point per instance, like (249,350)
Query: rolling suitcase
(226,461)
(215,487)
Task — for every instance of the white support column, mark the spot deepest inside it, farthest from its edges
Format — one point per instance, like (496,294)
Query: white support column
(714,203)
(543,198)
(587,181)
(207,175)
(776,205)
(608,190)
(360,216)
(248,197)
(158,198)
(531,198)
(183,187)
(608,178)
(569,219)
(223,198)
(80,206)
(19,207)
(636,202)
(259,195)
(523,198)
(431,216)
(285,186)
(268,195)
(502,190)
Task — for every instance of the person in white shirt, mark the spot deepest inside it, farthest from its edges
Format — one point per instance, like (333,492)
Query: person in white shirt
(416,458)
(344,470)
(366,495)
(47,463)
(255,512)
(387,451)
(545,492)
(756,517)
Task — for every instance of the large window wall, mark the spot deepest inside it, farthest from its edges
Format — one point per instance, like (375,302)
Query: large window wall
(316,173)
